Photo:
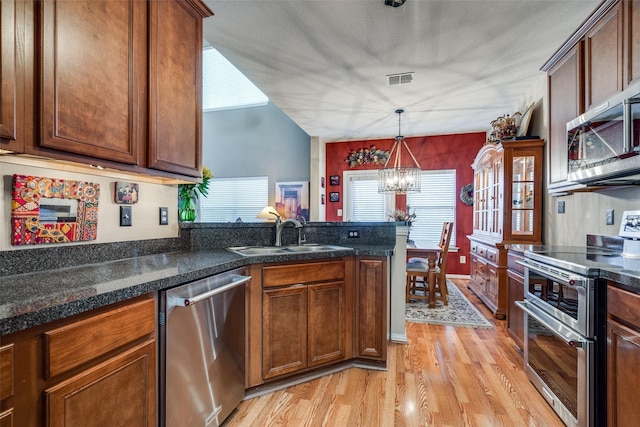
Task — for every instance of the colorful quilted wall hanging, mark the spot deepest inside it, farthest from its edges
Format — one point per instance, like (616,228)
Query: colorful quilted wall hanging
(47,210)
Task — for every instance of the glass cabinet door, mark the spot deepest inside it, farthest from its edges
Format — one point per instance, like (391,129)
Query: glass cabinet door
(522,195)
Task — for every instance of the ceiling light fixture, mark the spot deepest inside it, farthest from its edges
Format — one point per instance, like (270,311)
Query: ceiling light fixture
(399,179)
(394,3)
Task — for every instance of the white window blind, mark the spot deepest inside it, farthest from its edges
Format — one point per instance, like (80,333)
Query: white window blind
(233,198)
(362,201)
(434,205)
(224,87)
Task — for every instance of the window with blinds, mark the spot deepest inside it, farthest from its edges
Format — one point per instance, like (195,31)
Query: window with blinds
(233,198)
(224,87)
(362,202)
(434,205)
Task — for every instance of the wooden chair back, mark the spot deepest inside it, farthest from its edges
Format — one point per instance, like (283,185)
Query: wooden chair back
(445,239)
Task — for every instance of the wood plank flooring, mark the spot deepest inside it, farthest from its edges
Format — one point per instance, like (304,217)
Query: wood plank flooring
(445,376)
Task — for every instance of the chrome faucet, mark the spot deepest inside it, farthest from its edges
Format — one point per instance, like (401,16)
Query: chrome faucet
(280,225)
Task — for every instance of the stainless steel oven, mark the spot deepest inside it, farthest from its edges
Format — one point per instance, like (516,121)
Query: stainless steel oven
(565,332)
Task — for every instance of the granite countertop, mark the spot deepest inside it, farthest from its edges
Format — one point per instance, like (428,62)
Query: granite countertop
(32,299)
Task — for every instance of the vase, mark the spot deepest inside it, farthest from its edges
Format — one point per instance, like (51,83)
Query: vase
(187,210)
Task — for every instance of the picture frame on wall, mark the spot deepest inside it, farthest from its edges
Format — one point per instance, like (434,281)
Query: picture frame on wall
(292,200)
(334,180)
(334,196)
(126,193)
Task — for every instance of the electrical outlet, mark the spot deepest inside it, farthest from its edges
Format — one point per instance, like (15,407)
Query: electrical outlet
(463,259)
(561,207)
(354,233)
(164,216)
(609,216)
(125,216)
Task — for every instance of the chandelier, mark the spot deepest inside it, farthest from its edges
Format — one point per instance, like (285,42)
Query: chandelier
(399,179)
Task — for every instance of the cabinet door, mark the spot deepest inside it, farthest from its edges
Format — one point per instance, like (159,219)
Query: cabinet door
(175,87)
(284,331)
(565,104)
(327,322)
(623,382)
(13,41)
(93,78)
(492,288)
(99,394)
(515,315)
(371,311)
(632,40)
(603,58)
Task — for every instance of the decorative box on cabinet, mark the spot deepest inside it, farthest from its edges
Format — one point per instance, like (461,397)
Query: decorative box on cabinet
(66,372)
(623,356)
(507,209)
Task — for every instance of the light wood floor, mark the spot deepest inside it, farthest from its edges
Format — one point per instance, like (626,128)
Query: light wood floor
(445,376)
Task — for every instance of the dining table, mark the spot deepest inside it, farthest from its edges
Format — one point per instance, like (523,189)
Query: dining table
(430,251)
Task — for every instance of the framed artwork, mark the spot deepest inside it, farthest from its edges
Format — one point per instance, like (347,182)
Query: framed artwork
(292,200)
(48,210)
(334,180)
(126,193)
(525,121)
(334,196)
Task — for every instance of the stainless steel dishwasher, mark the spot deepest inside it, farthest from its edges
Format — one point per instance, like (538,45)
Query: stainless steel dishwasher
(202,350)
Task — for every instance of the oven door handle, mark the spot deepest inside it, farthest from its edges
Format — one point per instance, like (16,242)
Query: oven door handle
(559,329)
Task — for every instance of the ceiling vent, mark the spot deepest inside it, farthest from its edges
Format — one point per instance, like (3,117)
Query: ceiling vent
(400,79)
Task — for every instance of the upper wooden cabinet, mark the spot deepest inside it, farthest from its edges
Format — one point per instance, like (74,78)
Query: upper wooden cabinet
(13,73)
(600,59)
(119,82)
(175,86)
(93,78)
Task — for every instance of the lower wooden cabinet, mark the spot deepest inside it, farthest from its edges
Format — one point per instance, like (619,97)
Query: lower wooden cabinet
(488,276)
(305,324)
(623,357)
(92,369)
(515,292)
(371,308)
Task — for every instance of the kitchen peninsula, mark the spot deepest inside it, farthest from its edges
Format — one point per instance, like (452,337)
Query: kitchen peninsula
(107,294)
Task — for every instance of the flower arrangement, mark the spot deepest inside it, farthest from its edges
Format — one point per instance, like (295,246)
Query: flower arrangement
(367,155)
(504,127)
(400,215)
(189,193)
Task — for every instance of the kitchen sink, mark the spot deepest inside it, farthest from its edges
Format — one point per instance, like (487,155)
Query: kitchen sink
(284,250)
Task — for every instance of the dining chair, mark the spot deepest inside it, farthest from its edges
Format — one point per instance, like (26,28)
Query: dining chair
(417,286)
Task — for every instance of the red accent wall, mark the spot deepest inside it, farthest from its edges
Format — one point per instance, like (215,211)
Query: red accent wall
(432,152)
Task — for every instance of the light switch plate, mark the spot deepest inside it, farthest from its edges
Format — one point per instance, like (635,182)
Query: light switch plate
(164,216)
(125,216)
(561,207)
(609,216)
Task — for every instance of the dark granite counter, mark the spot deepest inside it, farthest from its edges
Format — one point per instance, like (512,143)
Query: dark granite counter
(35,298)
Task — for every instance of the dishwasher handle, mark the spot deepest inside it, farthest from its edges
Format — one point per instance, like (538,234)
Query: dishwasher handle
(238,280)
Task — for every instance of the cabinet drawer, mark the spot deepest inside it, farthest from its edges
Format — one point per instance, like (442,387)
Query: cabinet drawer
(492,255)
(624,305)
(6,371)
(512,262)
(281,275)
(474,247)
(72,345)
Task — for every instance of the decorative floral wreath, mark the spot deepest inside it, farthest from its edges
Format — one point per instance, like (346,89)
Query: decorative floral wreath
(466,194)
(367,155)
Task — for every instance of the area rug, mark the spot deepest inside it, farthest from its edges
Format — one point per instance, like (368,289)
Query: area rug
(459,311)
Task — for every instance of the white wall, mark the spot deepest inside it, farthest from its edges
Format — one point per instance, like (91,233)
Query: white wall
(145,213)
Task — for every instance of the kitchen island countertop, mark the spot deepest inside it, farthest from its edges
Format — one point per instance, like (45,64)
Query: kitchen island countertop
(32,299)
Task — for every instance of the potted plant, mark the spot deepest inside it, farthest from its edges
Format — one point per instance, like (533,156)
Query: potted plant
(189,193)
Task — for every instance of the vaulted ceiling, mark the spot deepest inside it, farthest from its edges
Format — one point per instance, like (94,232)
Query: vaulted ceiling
(326,63)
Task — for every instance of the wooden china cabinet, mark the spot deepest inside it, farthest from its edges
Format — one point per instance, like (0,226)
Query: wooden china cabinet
(507,209)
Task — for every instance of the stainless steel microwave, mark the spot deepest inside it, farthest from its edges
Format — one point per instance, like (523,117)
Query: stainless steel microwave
(604,142)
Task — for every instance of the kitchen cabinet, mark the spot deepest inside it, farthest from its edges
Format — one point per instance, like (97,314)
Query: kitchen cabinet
(623,356)
(15,73)
(120,83)
(631,54)
(99,365)
(371,308)
(603,45)
(565,103)
(515,292)
(6,384)
(306,315)
(507,209)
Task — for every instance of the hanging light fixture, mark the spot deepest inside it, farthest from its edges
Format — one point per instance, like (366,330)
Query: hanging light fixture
(399,179)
